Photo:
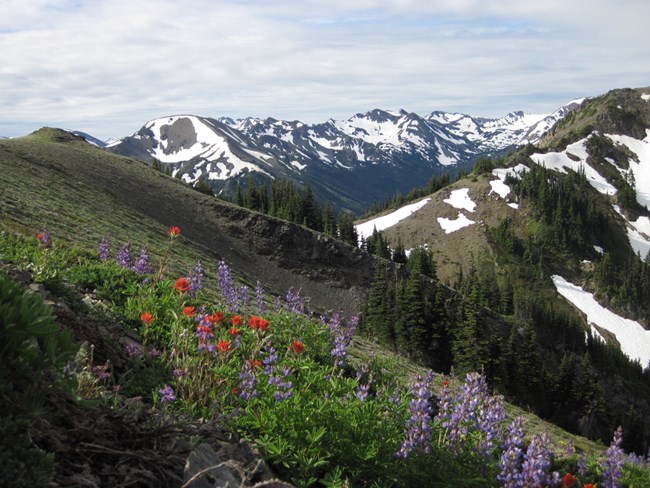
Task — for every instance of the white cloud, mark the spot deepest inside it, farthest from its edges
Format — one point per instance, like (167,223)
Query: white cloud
(112,65)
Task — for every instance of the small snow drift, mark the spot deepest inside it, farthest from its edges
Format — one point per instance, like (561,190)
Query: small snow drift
(365,229)
(634,339)
(460,199)
(450,226)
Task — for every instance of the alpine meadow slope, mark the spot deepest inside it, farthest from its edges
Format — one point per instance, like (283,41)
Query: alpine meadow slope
(56,180)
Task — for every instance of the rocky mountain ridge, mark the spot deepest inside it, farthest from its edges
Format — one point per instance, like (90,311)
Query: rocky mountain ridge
(351,163)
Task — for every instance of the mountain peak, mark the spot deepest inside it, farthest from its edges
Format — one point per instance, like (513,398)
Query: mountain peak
(394,150)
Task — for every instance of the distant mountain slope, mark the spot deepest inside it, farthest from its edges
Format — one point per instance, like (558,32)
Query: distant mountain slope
(553,240)
(56,180)
(352,163)
(607,139)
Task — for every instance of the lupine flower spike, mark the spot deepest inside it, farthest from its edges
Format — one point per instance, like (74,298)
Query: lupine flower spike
(104,249)
(418,429)
(513,456)
(167,394)
(196,280)
(141,265)
(124,256)
(614,461)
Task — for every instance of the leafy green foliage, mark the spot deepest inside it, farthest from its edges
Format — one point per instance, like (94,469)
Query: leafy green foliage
(318,421)
(33,354)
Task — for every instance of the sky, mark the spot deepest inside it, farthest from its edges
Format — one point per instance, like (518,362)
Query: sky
(106,67)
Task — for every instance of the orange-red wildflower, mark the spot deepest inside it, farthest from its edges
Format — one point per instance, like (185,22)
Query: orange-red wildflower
(147,318)
(217,318)
(182,285)
(256,363)
(223,346)
(297,347)
(234,331)
(258,323)
(174,231)
(189,312)
(236,320)
(569,481)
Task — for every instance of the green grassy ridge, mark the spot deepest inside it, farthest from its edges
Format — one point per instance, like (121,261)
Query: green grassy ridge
(82,193)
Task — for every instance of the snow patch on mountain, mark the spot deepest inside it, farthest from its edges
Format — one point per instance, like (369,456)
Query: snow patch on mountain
(499,185)
(633,338)
(535,133)
(638,233)
(177,143)
(365,229)
(640,168)
(574,157)
(460,199)
(449,225)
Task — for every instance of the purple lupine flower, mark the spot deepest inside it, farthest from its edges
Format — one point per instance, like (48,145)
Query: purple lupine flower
(167,394)
(555,479)
(248,382)
(283,387)
(445,402)
(582,465)
(141,265)
(472,409)
(196,280)
(490,416)
(124,256)
(133,350)
(417,435)
(342,336)
(614,461)
(104,249)
(45,238)
(154,353)
(464,415)
(259,298)
(227,286)
(537,460)
(270,359)
(513,456)
(102,371)
(363,389)
(179,372)
(244,296)
(294,302)
(362,392)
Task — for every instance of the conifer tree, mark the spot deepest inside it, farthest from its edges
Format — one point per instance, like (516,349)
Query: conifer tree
(376,318)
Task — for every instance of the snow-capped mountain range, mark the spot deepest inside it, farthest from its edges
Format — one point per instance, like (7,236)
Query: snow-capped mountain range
(352,163)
